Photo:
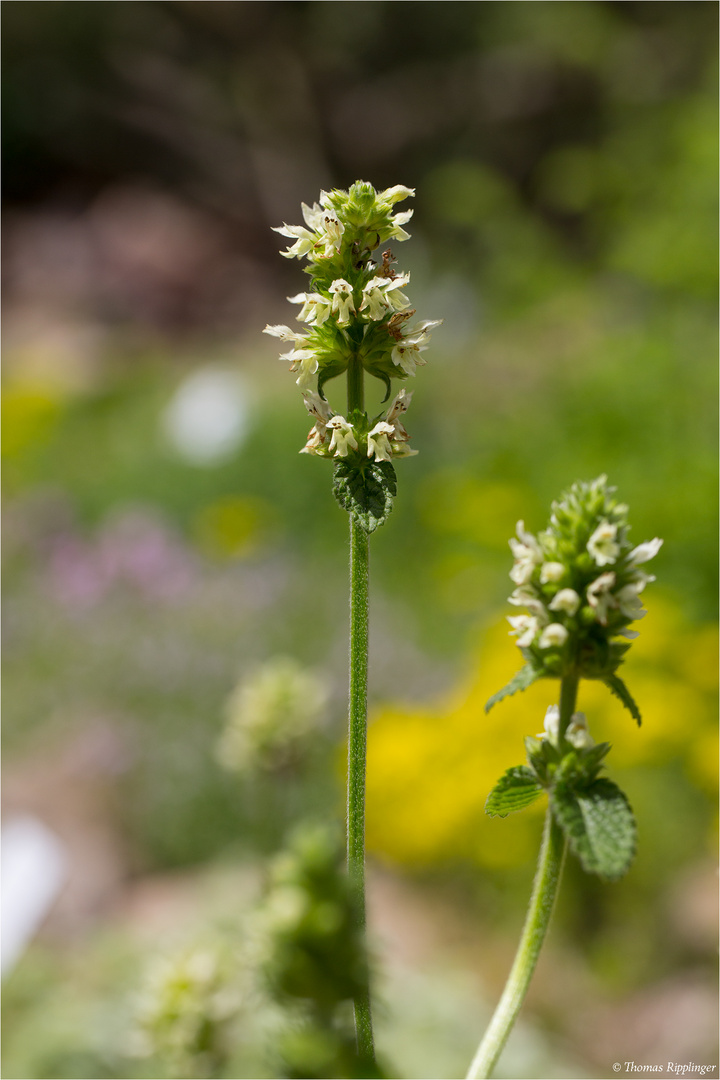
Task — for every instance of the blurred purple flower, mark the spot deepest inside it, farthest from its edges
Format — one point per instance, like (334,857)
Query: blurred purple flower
(133,550)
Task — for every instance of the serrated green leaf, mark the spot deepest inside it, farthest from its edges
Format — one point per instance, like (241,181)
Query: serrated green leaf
(366,491)
(525,677)
(515,790)
(599,826)
(615,684)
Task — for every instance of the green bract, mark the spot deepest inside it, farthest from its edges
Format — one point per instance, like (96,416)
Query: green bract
(580,582)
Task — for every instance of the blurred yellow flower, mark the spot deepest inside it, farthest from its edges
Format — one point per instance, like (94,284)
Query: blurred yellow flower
(233,527)
(28,416)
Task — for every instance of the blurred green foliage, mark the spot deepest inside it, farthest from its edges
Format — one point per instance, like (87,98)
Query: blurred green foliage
(564,157)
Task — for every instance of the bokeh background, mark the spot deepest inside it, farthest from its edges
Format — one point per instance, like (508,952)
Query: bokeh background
(172,563)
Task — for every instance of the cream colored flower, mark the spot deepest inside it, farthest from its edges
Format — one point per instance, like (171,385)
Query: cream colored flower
(600,598)
(577,733)
(643,552)
(399,405)
(378,441)
(320,409)
(566,600)
(397,300)
(406,353)
(553,636)
(629,601)
(525,627)
(551,572)
(395,194)
(527,554)
(551,724)
(381,294)
(306,362)
(316,307)
(334,230)
(304,240)
(342,302)
(375,300)
(285,333)
(602,545)
(342,436)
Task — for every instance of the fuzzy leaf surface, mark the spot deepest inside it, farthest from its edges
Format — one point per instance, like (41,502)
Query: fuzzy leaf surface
(366,491)
(515,790)
(615,684)
(525,677)
(599,825)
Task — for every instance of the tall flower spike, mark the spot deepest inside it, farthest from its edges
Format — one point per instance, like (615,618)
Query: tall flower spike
(355,319)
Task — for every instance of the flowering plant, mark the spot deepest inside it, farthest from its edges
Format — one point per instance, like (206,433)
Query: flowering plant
(357,321)
(580,582)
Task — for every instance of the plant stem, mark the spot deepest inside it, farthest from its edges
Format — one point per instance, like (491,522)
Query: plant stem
(355,385)
(533,935)
(568,698)
(357,726)
(537,920)
(357,739)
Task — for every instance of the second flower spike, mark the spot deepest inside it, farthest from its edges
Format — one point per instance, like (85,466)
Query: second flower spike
(580,582)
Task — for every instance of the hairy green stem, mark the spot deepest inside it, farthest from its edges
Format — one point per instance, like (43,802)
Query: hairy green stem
(537,920)
(355,385)
(357,725)
(357,739)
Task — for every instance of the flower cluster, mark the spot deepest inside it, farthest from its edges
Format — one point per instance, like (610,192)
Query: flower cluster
(270,714)
(184,1008)
(580,582)
(314,948)
(314,955)
(355,315)
(333,436)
